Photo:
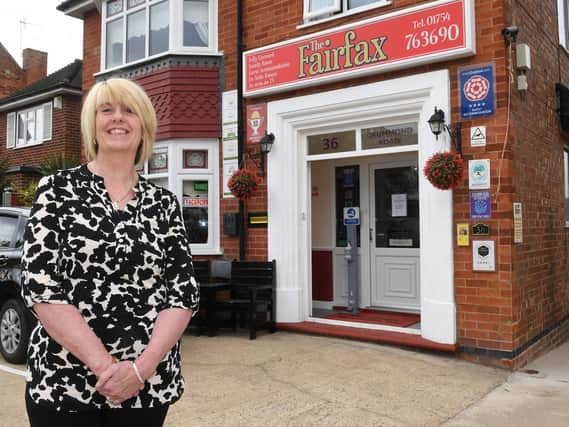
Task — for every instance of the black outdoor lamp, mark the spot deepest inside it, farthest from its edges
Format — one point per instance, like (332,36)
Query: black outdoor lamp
(266,144)
(437,125)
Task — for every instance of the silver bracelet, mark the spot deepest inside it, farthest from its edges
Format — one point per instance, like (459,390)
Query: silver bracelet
(137,373)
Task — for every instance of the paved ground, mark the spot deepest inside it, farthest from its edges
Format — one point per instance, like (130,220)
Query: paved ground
(287,379)
(538,395)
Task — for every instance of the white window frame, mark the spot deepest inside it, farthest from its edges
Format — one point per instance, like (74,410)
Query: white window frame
(176,32)
(176,174)
(46,121)
(337,10)
(563,21)
(566,184)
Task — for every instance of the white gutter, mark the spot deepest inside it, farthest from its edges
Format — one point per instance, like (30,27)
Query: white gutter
(40,97)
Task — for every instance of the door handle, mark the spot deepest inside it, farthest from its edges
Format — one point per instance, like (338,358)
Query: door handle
(371,234)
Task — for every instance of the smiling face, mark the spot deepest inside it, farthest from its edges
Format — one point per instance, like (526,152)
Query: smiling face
(118,130)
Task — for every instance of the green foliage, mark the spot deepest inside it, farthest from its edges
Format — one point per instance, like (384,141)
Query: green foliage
(28,193)
(57,162)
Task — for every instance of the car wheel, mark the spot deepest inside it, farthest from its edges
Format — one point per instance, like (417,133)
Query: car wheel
(15,329)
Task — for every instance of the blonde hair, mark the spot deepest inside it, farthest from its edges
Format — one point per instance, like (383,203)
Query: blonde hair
(129,94)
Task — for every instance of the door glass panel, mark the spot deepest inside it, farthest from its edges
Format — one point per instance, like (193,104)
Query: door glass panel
(195,205)
(333,142)
(347,195)
(397,207)
(389,136)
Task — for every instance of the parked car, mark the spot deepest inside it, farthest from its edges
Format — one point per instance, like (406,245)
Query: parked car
(16,321)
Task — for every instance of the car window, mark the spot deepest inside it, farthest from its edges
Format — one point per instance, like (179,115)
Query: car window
(20,233)
(8,226)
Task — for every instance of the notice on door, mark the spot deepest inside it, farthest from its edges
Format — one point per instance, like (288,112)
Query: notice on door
(399,205)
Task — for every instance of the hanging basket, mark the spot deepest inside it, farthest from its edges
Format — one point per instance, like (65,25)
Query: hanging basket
(444,170)
(243,183)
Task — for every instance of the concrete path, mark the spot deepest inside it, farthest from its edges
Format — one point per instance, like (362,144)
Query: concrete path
(288,379)
(537,395)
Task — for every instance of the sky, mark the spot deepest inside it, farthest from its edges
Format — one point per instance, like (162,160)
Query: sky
(45,29)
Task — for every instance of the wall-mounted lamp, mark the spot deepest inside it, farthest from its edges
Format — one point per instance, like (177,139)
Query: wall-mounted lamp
(266,145)
(438,125)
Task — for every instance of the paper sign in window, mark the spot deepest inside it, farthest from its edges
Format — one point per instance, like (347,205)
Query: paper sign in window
(399,204)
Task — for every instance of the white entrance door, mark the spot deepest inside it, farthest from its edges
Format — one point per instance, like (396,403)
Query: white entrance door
(394,236)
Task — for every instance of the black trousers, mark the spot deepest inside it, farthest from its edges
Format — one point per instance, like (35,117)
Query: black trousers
(40,416)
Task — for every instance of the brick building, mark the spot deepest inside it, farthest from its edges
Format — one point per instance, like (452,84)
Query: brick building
(40,118)
(348,89)
(14,77)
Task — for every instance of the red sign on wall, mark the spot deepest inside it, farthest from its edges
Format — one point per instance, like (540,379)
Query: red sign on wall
(416,35)
(256,122)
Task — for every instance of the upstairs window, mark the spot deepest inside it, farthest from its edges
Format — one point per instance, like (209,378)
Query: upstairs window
(137,29)
(29,127)
(316,10)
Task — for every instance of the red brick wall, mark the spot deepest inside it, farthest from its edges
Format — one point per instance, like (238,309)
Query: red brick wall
(91,48)
(34,65)
(541,275)
(65,139)
(11,75)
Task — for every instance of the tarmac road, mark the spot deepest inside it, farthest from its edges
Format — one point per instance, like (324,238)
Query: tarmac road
(288,379)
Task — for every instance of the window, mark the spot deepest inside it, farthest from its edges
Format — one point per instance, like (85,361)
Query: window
(8,226)
(566,183)
(196,23)
(563,18)
(137,29)
(320,9)
(190,170)
(29,127)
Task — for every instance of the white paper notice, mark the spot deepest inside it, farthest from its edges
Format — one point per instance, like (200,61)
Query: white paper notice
(399,204)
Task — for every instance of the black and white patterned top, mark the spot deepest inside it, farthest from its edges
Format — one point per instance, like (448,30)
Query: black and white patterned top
(119,268)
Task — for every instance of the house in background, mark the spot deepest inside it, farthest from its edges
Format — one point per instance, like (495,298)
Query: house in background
(359,95)
(39,119)
(14,77)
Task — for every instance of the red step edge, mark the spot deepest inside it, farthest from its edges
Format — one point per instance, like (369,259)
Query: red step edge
(369,335)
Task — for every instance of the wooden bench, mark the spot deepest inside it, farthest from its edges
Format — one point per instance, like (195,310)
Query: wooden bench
(252,293)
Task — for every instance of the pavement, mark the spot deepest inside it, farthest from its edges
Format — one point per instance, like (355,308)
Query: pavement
(289,379)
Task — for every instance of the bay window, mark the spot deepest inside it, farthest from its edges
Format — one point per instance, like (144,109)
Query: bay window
(190,170)
(29,127)
(319,9)
(137,29)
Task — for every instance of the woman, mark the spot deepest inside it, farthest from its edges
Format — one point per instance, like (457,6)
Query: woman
(108,273)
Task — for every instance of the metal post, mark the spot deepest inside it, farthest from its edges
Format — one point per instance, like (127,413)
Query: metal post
(353,264)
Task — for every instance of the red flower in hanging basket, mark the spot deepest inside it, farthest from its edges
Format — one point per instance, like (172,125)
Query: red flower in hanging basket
(243,183)
(444,170)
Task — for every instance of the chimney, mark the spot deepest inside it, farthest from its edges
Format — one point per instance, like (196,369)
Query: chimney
(34,65)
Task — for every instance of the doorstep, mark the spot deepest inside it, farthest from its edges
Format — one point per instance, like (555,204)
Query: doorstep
(370,335)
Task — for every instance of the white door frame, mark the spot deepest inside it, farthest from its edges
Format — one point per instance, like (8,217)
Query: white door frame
(289,195)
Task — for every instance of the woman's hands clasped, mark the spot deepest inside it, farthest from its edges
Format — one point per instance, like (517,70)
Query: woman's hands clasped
(119,382)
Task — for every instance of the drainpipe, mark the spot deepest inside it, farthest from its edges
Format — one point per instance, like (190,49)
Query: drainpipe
(240,139)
